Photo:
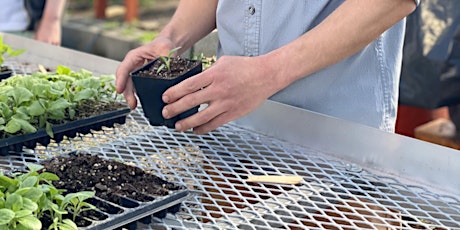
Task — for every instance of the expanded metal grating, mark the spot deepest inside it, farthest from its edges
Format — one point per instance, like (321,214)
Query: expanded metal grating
(334,194)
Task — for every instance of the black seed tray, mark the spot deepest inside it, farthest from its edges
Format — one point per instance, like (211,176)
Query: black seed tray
(127,211)
(5,74)
(69,129)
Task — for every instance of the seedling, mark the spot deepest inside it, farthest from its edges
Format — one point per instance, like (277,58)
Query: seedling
(6,50)
(30,103)
(167,60)
(24,197)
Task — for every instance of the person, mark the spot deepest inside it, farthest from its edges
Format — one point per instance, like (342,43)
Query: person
(16,18)
(339,58)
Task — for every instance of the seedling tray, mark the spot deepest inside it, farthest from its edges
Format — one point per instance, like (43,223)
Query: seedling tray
(69,129)
(115,211)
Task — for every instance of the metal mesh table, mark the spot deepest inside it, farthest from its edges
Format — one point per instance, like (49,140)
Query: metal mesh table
(336,193)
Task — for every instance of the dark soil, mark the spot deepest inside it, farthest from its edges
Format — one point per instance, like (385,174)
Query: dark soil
(110,179)
(178,67)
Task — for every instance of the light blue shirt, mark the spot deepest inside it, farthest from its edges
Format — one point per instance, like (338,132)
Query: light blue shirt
(362,88)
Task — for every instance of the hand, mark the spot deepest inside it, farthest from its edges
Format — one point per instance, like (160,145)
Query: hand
(232,87)
(134,59)
(49,31)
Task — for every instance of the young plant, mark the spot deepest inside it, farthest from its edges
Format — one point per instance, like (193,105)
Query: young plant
(7,51)
(25,197)
(167,60)
(75,202)
(30,103)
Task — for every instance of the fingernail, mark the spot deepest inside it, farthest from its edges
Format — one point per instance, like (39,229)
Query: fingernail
(165,99)
(165,113)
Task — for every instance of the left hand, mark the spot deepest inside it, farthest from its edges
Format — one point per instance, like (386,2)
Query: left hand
(49,31)
(232,88)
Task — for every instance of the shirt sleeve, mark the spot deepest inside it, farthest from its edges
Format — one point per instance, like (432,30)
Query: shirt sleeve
(417,2)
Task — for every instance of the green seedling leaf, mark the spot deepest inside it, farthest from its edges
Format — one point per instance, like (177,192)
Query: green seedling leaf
(21,95)
(6,216)
(34,167)
(161,68)
(32,193)
(22,213)
(31,181)
(49,129)
(7,182)
(30,222)
(28,204)
(48,177)
(36,109)
(13,126)
(14,202)
(63,70)
(68,224)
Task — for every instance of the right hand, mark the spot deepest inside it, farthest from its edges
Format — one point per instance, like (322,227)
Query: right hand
(135,59)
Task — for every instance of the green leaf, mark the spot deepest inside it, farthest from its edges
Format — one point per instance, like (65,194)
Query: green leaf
(7,182)
(32,193)
(28,204)
(25,125)
(30,222)
(12,126)
(14,53)
(85,94)
(34,167)
(6,216)
(21,95)
(62,70)
(29,182)
(22,213)
(49,129)
(59,104)
(68,224)
(47,176)
(161,68)
(14,202)
(36,109)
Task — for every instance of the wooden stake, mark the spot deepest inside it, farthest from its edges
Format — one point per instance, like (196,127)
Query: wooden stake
(275,179)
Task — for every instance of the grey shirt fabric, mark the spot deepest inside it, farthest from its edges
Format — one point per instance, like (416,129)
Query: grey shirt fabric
(362,88)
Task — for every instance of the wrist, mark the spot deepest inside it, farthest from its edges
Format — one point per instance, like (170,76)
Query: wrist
(274,69)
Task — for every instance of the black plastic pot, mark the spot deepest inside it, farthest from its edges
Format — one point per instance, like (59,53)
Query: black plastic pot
(150,89)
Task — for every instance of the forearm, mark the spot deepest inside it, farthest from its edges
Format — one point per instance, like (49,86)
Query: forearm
(54,10)
(347,30)
(192,20)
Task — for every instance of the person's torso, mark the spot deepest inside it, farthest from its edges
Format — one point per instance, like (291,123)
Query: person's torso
(13,16)
(362,88)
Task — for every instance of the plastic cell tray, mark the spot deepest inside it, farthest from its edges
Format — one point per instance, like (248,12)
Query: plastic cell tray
(69,129)
(127,212)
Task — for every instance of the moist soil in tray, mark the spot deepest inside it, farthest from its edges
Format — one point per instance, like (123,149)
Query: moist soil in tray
(124,193)
(90,116)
